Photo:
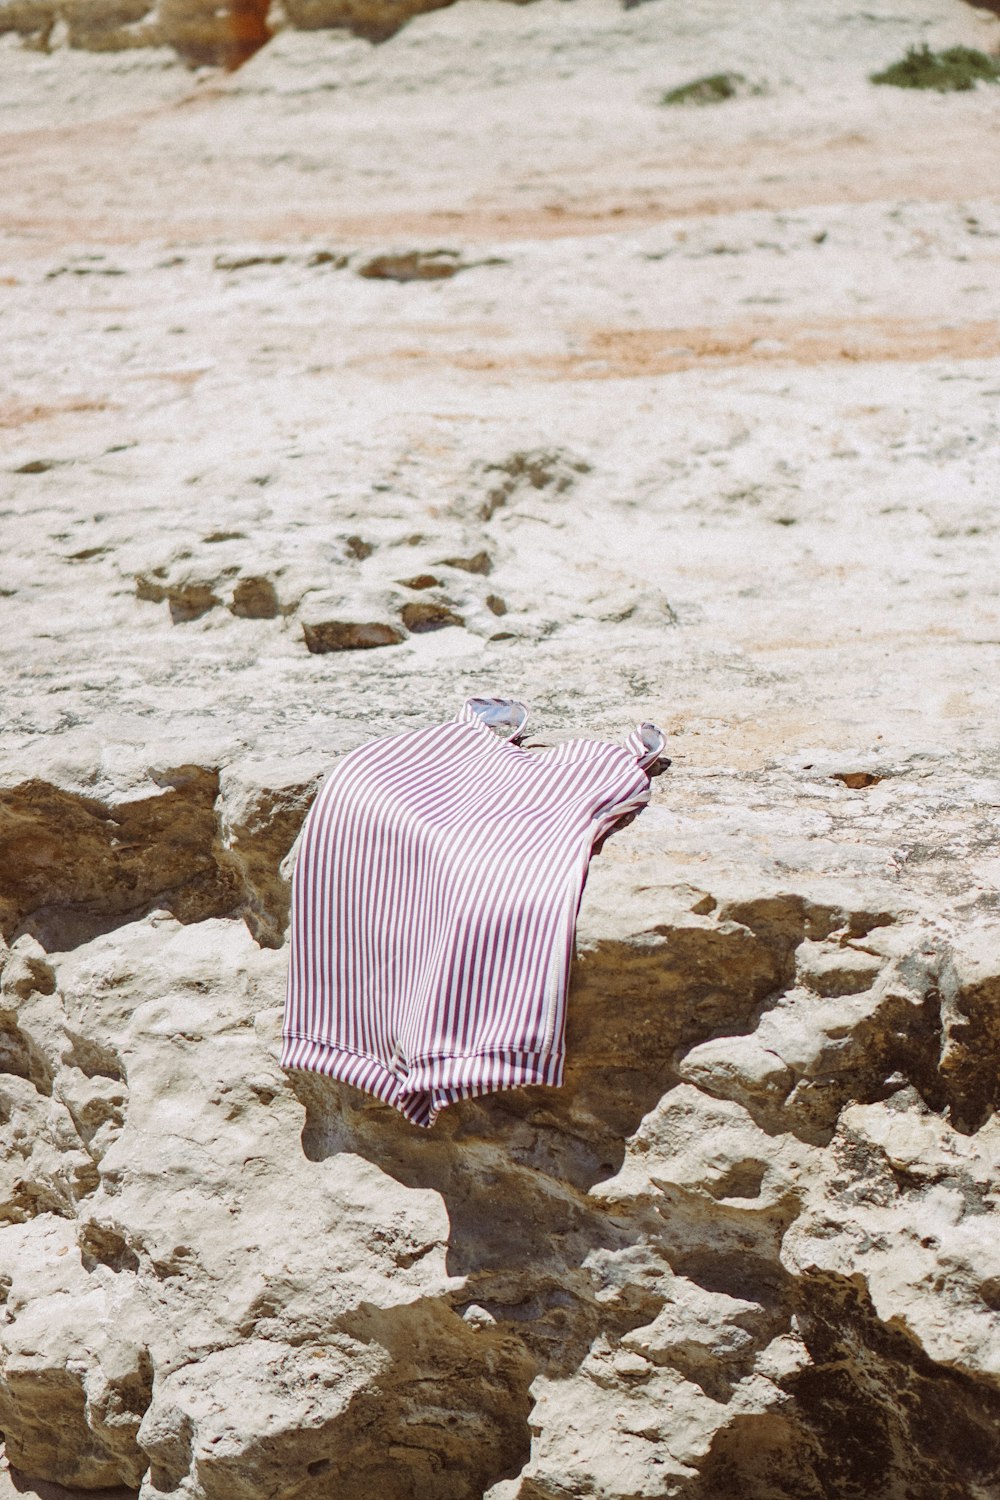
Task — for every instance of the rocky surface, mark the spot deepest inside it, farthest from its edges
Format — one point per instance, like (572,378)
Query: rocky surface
(358,381)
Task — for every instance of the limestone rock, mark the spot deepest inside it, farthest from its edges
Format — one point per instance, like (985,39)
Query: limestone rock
(324,634)
(261,809)
(922,1195)
(255,1243)
(322,1288)
(412,265)
(76,859)
(971,1029)
(374,19)
(464,345)
(73,1390)
(89,24)
(220,35)
(796,1063)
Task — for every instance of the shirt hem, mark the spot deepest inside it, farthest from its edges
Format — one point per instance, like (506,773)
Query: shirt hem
(421,1088)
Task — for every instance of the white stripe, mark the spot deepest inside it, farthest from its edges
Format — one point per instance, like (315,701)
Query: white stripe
(434,904)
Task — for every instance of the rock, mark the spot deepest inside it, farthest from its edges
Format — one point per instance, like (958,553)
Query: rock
(189,597)
(66,1375)
(664,1299)
(261,809)
(255,598)
(838,971)
(480,562)
(538,469)
(349,635)
(374,19)
(26,970)
(919,1193)
(428,614)
(698,1331)
(412,265)
(793,1069)
(223,35)
(739,1068)
(89,24)
(971,1029)
(221,573)
(749,1248)
(242,262)
(77,860)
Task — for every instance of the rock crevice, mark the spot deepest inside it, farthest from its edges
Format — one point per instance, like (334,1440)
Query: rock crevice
(717,1259)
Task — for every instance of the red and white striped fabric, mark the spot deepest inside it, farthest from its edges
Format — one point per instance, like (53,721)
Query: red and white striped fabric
(434,905)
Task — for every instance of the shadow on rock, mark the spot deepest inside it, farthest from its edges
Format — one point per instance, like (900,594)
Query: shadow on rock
(514,1169)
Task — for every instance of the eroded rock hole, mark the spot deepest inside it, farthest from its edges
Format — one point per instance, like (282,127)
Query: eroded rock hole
(105,1246)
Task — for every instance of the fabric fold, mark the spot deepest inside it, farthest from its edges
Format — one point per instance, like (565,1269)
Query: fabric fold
(434,905)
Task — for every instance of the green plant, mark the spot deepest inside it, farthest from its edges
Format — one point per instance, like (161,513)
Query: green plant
(712,89)
(956,68)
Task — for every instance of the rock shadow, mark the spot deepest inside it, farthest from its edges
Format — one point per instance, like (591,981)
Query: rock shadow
(13,1482)
(871,1416)
(514,1169)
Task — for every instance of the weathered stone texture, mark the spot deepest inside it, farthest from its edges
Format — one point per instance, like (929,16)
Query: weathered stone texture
(370,378)
(235,1283)
(202,34)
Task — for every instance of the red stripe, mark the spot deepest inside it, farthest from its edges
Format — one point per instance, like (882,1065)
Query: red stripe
(434,904)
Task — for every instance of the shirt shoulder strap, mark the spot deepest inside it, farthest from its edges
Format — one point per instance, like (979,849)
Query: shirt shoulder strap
(646,743)
(507,717)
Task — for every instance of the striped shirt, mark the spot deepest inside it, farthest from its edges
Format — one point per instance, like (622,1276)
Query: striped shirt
(434,905)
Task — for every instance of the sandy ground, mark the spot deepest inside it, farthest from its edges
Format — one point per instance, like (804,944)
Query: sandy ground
(752,352)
